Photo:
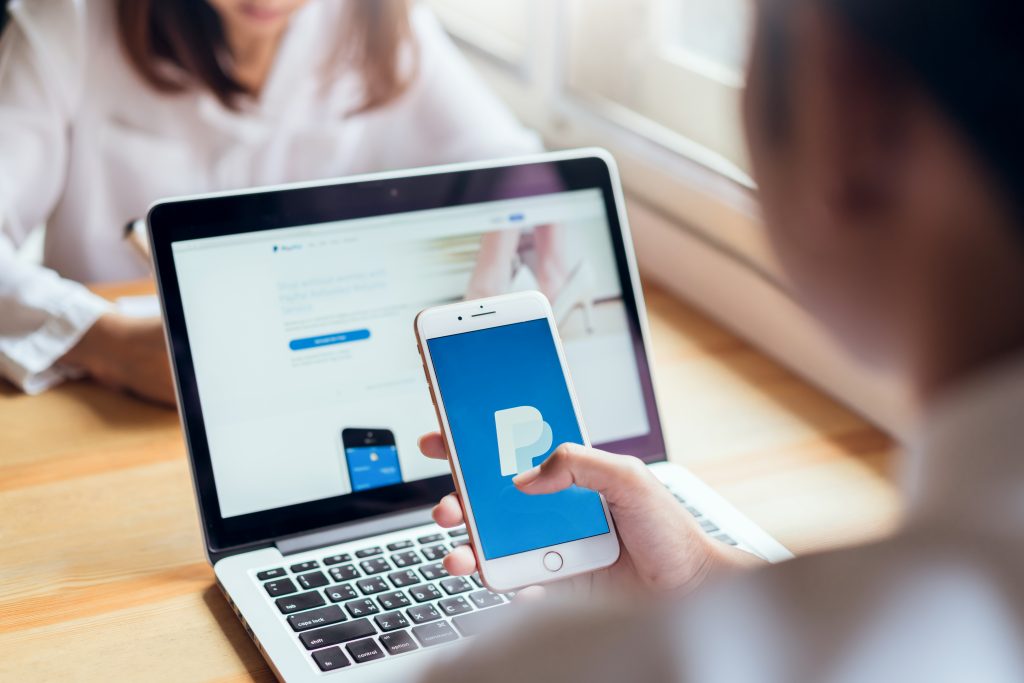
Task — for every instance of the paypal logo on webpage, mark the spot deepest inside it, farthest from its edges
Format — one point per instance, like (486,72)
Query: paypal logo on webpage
(523,435)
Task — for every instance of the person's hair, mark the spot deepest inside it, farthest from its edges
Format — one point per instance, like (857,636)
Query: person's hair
(176,45)
(967,55)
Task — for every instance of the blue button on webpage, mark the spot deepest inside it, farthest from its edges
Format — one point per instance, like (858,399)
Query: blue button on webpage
(328,339)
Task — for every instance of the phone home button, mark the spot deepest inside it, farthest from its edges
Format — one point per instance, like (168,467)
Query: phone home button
(552,561)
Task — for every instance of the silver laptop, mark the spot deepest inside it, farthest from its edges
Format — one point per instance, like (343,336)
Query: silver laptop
(289,319)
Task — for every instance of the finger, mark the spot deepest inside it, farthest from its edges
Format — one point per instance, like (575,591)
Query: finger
(432,445)
(615,476)
(460,561)
(448,511)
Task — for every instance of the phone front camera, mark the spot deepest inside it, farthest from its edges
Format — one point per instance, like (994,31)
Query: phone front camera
(460,317)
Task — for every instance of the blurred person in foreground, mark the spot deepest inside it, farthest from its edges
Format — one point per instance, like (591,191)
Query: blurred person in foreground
(109,105)
(885,138)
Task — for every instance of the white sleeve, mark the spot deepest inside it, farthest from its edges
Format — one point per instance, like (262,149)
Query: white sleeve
(454,108)
(41,314)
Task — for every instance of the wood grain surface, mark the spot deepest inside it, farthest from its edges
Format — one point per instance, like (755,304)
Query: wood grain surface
(102,570)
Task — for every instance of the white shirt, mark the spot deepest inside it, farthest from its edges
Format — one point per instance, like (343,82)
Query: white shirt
(940,601)
(86,146)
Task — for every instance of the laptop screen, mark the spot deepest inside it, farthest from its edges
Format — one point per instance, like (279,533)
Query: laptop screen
(304,354)
(290,314)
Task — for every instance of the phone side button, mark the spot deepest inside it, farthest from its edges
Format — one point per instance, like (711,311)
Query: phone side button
(552,561)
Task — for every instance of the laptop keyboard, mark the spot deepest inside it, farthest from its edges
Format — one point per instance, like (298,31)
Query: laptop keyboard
(382,601)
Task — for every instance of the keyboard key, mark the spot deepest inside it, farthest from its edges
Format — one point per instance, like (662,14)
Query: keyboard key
(368,552)
(459,542)
(693,511)
(421,614)
(435,552)
(404,578)
(331,614)
(330,659)
(297,603)
(398,642)
(708,526)
(393,600)
(431,538)
(406,559)
(424,593)
(726,538)
(455,533)
(456,584)
(337,559)
(361,608)
(477,580)
(305,566)
(485,598)
(312,580)
(399,545)
(374,584)
(364,650)
(280,587)
(270,573)
(456,605)
(375,566)
(343,573)
(341,592)
(434,634)
(338,633)
(391,621)
(433,571)
(481,622)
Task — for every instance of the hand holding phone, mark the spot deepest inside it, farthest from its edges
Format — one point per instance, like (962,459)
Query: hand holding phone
(500,384)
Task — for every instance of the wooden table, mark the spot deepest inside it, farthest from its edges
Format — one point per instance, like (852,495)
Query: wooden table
(102,571)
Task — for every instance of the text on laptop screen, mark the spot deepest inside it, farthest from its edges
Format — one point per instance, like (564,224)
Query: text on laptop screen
(300,333)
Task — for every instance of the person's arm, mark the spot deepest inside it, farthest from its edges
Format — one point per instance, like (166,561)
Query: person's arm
(52,327)
(42,315)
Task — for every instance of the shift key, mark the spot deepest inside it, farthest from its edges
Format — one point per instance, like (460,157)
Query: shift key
(338,633)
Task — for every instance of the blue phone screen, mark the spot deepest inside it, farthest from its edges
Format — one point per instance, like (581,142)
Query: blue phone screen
(508,407)
(373,466)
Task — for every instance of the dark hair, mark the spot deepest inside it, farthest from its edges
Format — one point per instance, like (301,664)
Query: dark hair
(176,45)
(967,55)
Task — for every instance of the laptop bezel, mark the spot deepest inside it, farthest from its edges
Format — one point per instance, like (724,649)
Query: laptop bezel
(303,204)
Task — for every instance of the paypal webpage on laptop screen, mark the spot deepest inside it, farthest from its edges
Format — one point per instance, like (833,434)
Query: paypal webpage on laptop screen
(301,333)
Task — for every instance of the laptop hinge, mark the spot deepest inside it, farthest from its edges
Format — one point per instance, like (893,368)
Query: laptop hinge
(353,531)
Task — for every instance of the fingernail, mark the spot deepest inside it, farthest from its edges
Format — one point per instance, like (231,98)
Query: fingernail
(527,477)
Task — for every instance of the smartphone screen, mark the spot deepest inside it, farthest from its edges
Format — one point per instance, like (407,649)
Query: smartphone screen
(508,407)
(372,458)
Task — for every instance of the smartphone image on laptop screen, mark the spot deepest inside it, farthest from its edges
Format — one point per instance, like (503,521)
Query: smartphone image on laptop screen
(372,458)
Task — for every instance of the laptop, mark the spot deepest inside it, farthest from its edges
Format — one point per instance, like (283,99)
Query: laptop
(289,315)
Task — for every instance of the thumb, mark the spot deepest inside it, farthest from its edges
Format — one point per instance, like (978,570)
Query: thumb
(614,476)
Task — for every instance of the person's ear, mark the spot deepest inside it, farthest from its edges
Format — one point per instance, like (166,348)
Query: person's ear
(854,120)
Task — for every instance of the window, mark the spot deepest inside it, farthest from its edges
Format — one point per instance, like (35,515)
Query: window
(673,66)
(657,82)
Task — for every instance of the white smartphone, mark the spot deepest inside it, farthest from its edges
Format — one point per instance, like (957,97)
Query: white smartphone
(500,384)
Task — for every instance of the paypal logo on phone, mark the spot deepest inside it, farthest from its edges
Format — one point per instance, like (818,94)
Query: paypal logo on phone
(522,436)
(506,424)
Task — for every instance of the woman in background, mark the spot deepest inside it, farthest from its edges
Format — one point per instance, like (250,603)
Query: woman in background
(108,105)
